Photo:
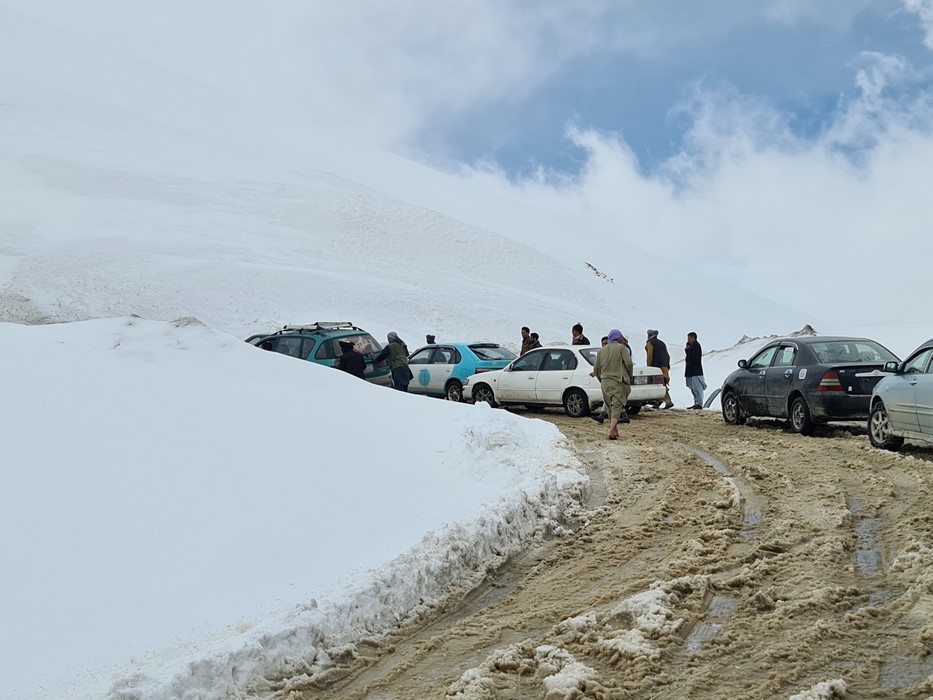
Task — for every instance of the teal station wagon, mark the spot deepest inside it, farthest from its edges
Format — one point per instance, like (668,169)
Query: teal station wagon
(320,343)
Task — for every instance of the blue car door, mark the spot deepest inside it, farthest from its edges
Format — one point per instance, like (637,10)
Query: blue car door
(443,362)
(419,364)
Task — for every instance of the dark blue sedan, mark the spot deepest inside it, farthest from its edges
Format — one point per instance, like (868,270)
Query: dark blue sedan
(809,380)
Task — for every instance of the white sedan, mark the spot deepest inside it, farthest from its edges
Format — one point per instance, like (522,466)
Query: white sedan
(559,376)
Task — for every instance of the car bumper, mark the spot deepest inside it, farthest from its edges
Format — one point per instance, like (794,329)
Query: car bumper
(644,393)
(838,406)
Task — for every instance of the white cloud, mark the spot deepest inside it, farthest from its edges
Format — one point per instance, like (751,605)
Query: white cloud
(839,223)
(924,11)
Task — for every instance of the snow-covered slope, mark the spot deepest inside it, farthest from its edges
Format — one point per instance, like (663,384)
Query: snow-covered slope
(136,190)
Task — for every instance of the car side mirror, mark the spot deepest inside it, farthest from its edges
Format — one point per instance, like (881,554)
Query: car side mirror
(890,367)
(743,364)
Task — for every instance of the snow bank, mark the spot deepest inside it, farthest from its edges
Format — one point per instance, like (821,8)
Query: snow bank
(192,516)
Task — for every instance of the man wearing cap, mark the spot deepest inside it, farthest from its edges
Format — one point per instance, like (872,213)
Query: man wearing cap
(658,356)
(351,360)
(613,369)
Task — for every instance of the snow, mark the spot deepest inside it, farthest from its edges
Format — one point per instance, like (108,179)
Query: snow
(195,513)
(187,516)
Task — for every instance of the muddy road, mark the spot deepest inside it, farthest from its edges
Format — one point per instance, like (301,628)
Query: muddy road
(709,561)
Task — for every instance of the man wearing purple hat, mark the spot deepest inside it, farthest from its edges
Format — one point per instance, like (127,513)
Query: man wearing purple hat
(613,369)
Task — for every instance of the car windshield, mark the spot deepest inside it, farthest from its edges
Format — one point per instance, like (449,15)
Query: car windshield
(835,351)
(490,351)
(590,355)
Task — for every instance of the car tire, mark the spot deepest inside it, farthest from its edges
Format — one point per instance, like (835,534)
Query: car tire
(731,410)
(800,419)
(879,429)
(576,403)
(482,393)
(454,391)
(633,408)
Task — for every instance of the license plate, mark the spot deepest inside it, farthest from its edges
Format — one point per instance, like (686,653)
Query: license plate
(640,380)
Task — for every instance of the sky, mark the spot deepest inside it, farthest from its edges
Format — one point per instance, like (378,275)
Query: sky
(246,168)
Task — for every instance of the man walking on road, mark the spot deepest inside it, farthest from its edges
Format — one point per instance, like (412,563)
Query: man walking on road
(613,369)
(694,370)
(658,356)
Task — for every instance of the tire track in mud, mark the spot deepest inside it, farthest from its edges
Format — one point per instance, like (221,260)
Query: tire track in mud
(714,562)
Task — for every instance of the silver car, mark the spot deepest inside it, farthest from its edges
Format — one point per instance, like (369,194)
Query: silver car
(902,403)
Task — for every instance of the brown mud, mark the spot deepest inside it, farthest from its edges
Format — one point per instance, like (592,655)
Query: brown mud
(710,561)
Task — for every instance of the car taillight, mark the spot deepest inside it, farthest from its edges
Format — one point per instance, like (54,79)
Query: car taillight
(658,379)
(830,382)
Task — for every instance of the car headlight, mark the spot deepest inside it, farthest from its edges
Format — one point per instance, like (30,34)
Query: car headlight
(466,382)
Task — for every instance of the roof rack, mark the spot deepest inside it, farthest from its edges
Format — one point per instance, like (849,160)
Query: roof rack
(319,326)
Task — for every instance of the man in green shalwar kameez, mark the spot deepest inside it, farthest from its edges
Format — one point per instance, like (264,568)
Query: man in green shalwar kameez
(613,369)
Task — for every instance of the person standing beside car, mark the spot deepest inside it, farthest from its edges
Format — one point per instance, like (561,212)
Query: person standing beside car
(694,370)
(659,357)
(351,360)
(526,340)
(397,353)
(577,334)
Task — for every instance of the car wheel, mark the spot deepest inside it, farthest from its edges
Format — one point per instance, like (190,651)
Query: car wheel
(633,408)
(800,416)
(576,403)
(482,393)
(879,429)
(454,391)
(731,411)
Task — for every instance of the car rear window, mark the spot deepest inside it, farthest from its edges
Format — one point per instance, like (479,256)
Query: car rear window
(835,351)
(329,349)
(491,351)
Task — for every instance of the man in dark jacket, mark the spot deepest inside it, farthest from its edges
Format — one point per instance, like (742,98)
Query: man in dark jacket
(351,360)
(694,370)
(577,334)
(658,356)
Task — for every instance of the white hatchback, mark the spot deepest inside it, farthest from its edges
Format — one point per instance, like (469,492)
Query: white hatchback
(559,376)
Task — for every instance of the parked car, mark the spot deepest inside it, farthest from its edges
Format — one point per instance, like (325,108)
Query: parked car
(810,380)
(319,343)
(559,376)
(902,402)
(441,370)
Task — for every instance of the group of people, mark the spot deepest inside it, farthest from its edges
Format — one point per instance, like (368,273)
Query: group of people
(353,361)
(613,367)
